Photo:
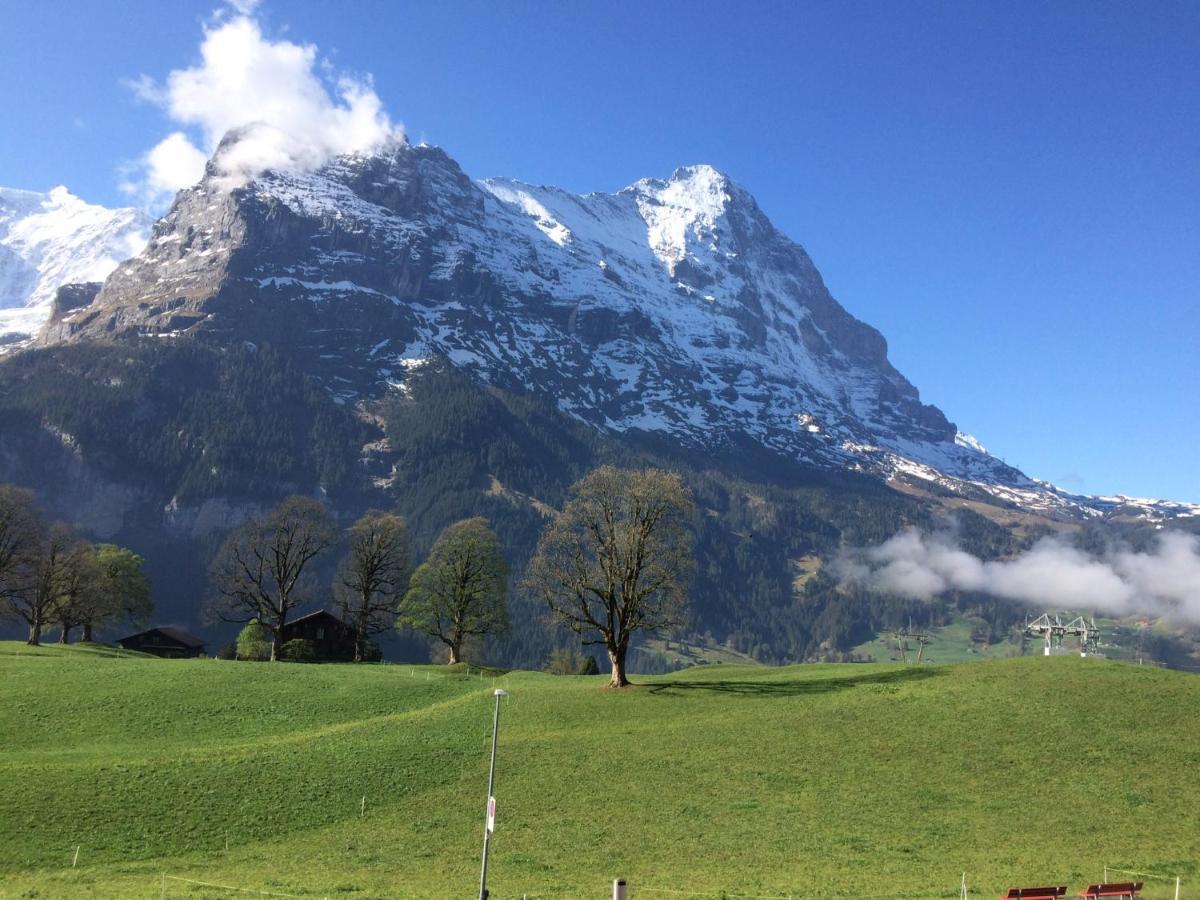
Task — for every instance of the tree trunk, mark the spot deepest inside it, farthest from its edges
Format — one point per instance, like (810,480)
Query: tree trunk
(35,633)
(64,635)
(277,644)
(360,640)
(455,649)
(616,656)
(87,633)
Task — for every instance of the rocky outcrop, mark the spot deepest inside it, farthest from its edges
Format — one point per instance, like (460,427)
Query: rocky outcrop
(71,297)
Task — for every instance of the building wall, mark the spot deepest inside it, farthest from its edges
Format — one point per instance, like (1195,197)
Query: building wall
(333,640)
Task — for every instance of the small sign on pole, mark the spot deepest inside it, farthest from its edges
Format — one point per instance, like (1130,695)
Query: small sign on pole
(491,816)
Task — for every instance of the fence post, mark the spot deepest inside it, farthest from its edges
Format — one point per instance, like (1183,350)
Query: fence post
(619,889)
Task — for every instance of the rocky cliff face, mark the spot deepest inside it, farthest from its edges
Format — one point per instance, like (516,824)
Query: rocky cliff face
(672,307)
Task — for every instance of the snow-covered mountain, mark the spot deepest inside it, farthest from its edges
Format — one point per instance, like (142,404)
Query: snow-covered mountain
(672,307)
(48,240)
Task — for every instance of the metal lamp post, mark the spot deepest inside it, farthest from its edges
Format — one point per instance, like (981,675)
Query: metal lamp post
(489,823)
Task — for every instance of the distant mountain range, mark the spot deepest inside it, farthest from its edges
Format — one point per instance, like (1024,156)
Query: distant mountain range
(671,307)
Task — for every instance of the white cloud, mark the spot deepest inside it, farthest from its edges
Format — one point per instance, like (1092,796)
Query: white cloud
(289,112)
(245,7)
(1162,582)
(174,162)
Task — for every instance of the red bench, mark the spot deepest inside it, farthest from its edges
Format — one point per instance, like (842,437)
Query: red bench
(1119,890)
(1035,893)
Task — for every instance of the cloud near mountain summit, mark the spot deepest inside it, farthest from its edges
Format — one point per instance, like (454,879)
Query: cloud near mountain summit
(291,114)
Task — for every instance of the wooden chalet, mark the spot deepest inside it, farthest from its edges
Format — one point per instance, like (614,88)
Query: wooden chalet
(332,639)
(165,641)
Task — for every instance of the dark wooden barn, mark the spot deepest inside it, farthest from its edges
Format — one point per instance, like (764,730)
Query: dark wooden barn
(165,641)
(332,639)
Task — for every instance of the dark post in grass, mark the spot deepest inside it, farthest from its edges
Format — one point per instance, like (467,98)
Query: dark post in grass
(489,822)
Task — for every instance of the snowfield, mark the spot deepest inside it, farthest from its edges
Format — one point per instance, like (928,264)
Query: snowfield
(48,240)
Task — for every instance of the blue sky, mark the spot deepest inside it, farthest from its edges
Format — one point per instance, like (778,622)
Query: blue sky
(1009,191)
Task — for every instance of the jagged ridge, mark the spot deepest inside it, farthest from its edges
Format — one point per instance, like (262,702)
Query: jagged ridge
(673,307)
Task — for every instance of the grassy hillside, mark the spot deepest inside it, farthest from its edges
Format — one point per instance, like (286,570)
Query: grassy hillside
(958,641)
(822,780)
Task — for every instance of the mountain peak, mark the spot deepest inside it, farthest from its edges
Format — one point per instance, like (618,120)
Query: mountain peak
(702,175)
(672,307)
(249,152)
(700,187)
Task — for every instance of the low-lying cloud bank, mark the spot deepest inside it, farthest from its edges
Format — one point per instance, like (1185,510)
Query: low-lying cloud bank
(1164,582)
(291,112)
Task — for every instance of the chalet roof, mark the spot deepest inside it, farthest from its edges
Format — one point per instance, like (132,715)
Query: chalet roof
(315,614)
(175,634)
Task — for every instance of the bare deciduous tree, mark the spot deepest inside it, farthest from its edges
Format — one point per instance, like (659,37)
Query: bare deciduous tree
(46,589)
(372,576)
(21,530)
(260,571)
(617,558)
(460,592)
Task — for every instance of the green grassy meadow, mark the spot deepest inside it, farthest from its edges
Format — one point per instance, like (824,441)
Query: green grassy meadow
(817,780)
(951,643)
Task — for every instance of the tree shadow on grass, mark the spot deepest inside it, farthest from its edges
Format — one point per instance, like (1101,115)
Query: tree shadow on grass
(797,687)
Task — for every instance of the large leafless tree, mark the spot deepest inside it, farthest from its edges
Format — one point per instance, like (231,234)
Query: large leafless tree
(617,559)
(460,592)
(373,576)
(261,572)
(24,538)
(49,581)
